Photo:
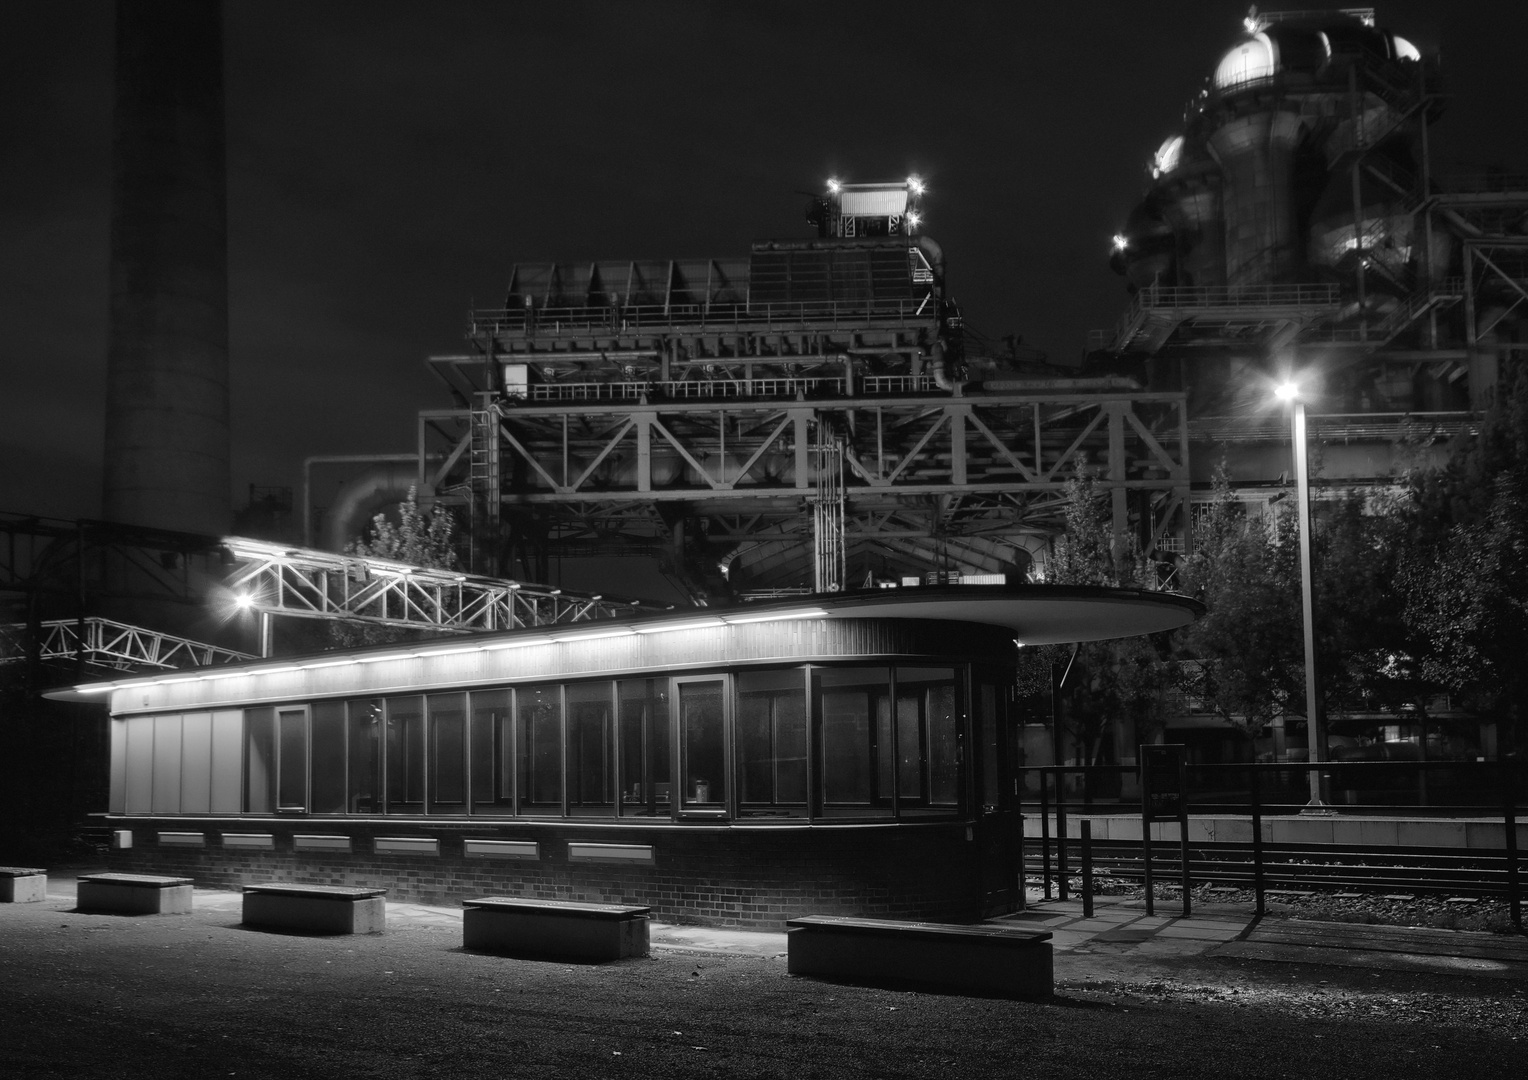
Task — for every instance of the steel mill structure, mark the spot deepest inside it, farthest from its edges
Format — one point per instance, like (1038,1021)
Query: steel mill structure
(803,418)
(1295,225)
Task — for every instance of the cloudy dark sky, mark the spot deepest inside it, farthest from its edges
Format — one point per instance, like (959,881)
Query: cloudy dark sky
(389,162)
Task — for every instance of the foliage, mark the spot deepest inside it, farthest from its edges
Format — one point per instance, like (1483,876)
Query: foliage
(422,539)
(1465,581)
(1248,653)
(1123,681)
(418,538)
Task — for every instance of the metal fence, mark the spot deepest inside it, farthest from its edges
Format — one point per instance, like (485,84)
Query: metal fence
(1255,852)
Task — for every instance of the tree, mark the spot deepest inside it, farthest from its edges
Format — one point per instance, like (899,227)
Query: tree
(1246,658)
(418,538)
(1105,685)
(1465,578)
(423,539)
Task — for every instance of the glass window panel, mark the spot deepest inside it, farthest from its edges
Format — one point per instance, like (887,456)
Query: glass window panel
(365,748)
(539,711)
(987,717)
(259,760)
(493,753)
(854,709)
(704,752)
(771,742)
(909,743)
(448,753)
(326,780)
(591,741)
(943,718)
(292,777)
(930,694)
(645,747)
(405,755)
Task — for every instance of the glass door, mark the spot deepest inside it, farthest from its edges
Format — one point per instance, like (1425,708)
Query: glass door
(703,745)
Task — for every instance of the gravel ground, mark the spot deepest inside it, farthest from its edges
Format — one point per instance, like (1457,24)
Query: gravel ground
(95,996)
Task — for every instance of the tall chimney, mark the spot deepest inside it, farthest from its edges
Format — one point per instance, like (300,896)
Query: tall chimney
(167,444)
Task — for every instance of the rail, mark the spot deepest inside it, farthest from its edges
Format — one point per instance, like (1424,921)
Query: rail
(1332,427)
(1258,858)
(674,390)
(632,318)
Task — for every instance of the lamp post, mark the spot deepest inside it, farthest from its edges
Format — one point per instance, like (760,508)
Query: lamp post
(1315,739)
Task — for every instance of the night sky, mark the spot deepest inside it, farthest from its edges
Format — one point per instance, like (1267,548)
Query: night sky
(389,162)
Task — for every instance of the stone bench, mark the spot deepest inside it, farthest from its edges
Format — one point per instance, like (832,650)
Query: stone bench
(554,929)
(22,884)
(981,959)
(315,909)
(134,894)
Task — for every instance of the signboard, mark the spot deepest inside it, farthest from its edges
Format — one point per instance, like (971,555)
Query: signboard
(1162,781)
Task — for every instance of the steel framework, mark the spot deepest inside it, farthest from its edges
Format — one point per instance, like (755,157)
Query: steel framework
(961,479)
(105,643)
(303,583)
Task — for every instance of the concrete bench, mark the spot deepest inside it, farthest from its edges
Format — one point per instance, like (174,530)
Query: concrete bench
(982,959)
(134,894)
(554,929)
(317,909)
(22,884)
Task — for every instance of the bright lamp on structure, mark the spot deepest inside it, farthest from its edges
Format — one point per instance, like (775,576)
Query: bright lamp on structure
(1315,737)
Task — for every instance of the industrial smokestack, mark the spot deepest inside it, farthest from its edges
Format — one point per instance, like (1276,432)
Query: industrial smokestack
(167,359)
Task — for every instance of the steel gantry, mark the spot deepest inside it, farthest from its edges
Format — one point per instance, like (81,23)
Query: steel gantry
(105,643)
(970,480)
(303,583)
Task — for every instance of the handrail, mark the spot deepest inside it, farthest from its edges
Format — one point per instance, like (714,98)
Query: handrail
(631,317)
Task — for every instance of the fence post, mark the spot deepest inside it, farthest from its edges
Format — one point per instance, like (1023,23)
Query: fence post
(1257,840)
(1086,829)
(1509,819)
(1061,883)
(1045,873)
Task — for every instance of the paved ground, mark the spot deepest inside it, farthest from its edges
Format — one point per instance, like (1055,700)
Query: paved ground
(85,995)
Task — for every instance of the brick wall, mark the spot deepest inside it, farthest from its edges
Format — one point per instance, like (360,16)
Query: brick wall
(738,877)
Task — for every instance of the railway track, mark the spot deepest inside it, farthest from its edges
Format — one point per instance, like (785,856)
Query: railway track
(1388,869)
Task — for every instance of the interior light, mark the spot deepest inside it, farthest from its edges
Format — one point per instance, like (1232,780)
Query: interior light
(779,616)
(693,624)
(1120,242)
(914,219)
(244,601)
(1287,391)
(516,643)
(915,185)
(834,186)
(590,635)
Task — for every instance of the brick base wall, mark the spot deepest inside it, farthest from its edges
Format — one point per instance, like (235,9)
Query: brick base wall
(740,877)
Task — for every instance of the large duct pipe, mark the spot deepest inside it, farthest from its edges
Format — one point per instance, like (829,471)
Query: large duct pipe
(167,356)
(373,491)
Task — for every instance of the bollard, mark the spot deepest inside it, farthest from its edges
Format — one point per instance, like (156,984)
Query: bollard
(1086,829)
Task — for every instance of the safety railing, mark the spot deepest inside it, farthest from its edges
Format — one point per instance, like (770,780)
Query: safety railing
(552,320)
(768,387)
(1245,800)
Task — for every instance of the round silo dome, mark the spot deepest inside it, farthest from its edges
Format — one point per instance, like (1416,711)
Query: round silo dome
(1253,59)
(1403,49)
(1167,157)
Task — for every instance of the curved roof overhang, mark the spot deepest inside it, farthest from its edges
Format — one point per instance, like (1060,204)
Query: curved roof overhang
(1032,614)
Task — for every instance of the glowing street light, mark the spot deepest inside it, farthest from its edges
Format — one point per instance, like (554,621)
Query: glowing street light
(1315,737)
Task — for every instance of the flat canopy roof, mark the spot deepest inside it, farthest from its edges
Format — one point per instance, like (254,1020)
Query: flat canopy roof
(1033,614)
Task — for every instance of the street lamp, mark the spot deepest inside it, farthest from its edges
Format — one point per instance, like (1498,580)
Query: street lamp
(1290,392)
